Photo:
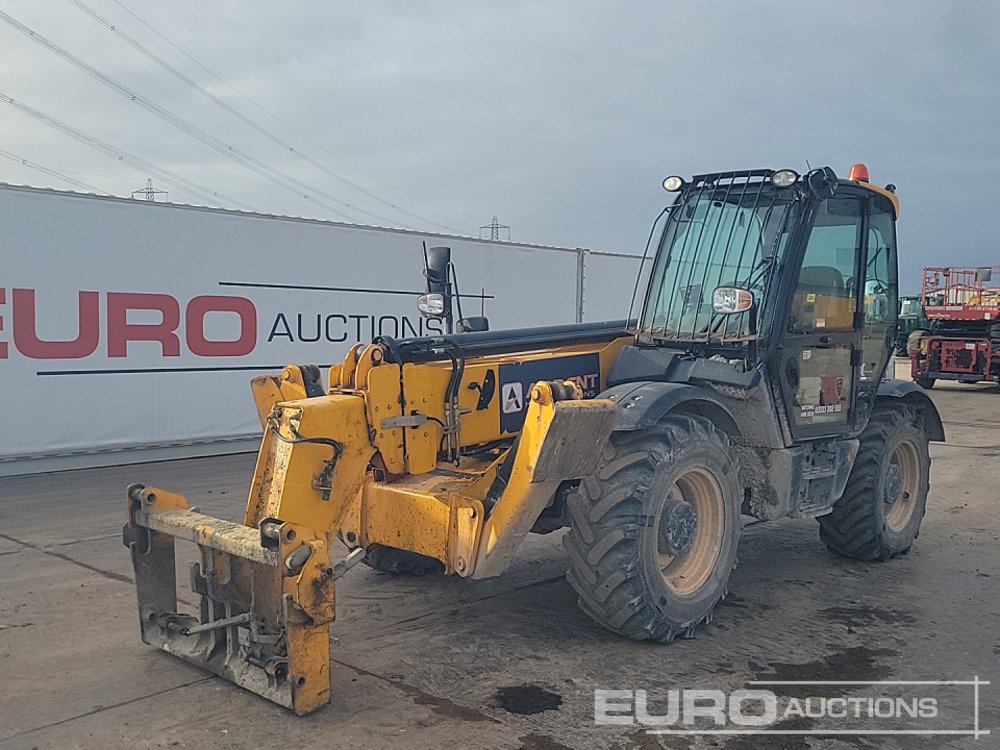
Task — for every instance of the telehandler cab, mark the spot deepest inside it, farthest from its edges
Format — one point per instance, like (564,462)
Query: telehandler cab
(751,383)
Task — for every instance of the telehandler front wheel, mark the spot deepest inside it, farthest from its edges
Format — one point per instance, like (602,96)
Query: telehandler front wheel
(654,532)
(879,514)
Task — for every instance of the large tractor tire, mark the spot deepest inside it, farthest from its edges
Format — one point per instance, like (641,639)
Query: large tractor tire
(654,532)
(879,514)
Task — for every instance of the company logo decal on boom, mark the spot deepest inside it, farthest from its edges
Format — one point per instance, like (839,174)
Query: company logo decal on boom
(517,379)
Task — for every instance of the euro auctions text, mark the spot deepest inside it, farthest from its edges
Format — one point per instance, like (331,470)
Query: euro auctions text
(915,707)
(206,325)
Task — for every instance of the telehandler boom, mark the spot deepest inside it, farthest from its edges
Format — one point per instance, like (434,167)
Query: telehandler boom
(752,383)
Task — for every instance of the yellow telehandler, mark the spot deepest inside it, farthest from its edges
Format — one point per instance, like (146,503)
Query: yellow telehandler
(752,383)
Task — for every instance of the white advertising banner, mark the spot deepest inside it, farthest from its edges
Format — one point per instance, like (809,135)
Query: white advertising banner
(126,324)
(608,284)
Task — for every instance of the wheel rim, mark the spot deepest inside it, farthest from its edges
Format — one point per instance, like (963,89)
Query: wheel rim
(687,552)
(901,483)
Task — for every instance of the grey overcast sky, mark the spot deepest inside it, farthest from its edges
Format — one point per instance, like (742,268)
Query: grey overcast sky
(559,117)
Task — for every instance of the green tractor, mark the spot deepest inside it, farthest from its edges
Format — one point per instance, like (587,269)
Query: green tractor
(911,318)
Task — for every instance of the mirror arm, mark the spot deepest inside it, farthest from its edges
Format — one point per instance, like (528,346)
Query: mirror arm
(458,295)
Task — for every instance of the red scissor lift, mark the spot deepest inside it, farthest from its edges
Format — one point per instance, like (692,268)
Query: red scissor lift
(962,306)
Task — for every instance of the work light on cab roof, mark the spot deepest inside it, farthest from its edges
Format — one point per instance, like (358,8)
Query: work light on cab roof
(784,178)
(673,183)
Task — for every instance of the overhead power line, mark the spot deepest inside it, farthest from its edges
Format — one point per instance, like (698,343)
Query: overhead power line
(286,124)
(187,186)
(99,174)
(135,44)
(271,174)
(51,172)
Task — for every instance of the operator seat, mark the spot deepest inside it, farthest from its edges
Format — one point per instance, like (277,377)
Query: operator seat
(822,301)
(825,280)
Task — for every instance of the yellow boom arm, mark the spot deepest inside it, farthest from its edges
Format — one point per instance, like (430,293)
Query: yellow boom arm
(407,455)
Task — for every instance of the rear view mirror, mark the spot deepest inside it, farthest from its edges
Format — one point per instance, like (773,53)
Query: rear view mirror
(984,274)
(727,300)
(438,261)
(437,269)
(822,182)
(442,293)
(477,323)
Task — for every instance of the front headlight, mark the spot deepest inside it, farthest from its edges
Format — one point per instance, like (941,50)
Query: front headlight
(727,300)
(431,304)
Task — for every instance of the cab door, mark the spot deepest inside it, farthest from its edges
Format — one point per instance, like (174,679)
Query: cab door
(820,355)
(880,303)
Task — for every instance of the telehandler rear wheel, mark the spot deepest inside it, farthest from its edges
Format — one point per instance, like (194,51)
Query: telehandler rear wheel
(879,514)
(654,532)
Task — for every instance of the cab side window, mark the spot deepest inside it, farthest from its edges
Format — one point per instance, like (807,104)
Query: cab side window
(824,298)
(880,290)
(880,299)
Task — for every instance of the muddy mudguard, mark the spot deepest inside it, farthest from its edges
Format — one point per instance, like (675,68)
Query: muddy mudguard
(911,393)
(643,404)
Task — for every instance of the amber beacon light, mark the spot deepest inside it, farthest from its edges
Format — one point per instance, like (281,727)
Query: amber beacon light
(859,173)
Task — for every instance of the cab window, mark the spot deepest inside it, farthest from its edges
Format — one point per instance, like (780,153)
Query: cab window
(824,298)
(879,297)
(880,291)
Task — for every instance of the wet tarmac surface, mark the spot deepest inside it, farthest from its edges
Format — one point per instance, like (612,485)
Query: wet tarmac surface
(503,663)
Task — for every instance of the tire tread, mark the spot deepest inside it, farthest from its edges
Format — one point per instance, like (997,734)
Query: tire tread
(608,514)
(855,527)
